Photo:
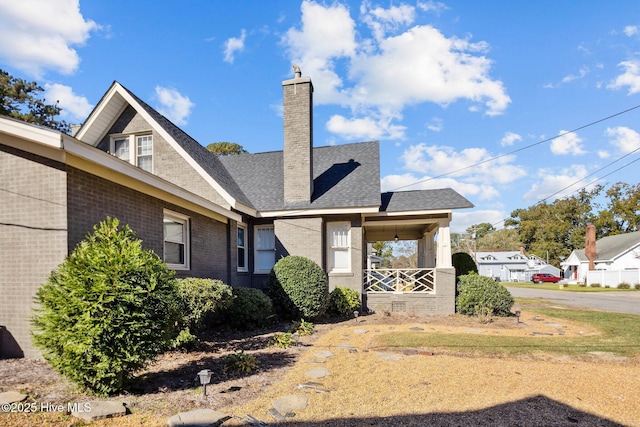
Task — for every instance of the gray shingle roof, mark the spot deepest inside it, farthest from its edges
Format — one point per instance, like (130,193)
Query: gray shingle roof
(343,175)
(209,162)
(416,200)
(611,247)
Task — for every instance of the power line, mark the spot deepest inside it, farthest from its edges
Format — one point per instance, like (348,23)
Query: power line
(521,148)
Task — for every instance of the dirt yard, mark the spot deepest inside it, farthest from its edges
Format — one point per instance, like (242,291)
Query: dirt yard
(367,385)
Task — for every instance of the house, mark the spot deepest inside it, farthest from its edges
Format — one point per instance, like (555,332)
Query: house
(608,261)
(512,266)
(228,218)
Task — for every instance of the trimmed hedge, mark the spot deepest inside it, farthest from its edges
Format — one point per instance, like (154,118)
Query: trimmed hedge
(463,263)
(482,295)
(298,288)
(343,301)
(106,311)
(250,308)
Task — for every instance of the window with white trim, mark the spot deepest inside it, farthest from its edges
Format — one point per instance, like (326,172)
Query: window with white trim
(176,240)
(135,149)
(339,246)
(242,248)
(265,248)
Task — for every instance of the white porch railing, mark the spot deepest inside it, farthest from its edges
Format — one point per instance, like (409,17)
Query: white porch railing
(400,280)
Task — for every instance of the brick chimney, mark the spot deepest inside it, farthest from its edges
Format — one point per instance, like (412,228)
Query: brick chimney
(298,139)
(590,246)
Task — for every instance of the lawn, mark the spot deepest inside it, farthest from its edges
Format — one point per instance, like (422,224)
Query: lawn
(619,335)
(569,288)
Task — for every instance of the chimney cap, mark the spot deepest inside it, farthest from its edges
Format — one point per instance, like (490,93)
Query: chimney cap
(296,71)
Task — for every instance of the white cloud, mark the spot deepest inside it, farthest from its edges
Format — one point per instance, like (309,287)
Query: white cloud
(462,220)
(175,106)
(468,189)
(327,34)
(509,139)
(432,6)
(233,45)
(364,128)
(631,30)
(624,138)
(74,108)
(549,183)
(436,124)
(474,164)
(381,20)
(630,77)
(42,34)
(603,154)
(567,143)
(395,67)
(581,74)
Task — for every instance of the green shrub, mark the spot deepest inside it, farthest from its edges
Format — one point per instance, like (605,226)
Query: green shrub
(343,301)
(200,299)
(637,286)
(595,285)
(282,340)
(463,263)
(298,288)
(240,362)
(106,311)
(480,295)
(624,285)
(250,308)
(302,328)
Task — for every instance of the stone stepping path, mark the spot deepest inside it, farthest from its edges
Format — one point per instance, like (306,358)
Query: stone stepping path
(324,354)
(11,397)
(199,417)
(360,331)
(389,357)
(99,410)
(317,373)
(286,406)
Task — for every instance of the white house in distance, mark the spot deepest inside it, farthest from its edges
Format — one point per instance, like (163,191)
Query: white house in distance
(609,261)
(511,266)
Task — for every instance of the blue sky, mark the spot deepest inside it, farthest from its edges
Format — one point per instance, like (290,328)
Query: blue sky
(455,91)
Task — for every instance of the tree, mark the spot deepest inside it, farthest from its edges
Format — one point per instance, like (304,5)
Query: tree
(623,210)
(20,99)
(107,310)
(226,149)
(553,230)
(481,229)
(406,254)
(384,250)
(505,239)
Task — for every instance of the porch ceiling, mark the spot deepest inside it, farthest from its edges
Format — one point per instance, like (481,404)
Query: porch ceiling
(385,229)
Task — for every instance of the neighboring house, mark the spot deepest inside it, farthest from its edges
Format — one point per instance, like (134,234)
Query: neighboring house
(609,261)
(512,266)
(229,218)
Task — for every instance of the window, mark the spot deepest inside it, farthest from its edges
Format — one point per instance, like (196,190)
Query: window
(242,248)
(176,241)
(265,256)
(142,153)
(339,246)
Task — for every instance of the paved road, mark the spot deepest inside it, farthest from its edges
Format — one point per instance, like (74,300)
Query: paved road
(620,302)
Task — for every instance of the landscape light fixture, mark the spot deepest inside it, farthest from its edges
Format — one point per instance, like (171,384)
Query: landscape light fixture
(518,315)
(395,238)
(205,378)
(355,315)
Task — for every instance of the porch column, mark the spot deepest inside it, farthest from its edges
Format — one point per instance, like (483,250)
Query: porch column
(443,260)
(429,249)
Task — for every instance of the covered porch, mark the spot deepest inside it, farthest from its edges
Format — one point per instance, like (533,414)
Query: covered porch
(429,287)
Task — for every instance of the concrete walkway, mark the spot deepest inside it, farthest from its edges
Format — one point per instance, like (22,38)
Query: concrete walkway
(618,302)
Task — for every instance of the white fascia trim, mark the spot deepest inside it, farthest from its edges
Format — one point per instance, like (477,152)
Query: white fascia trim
(315,212)
(99,157)
(229,199)
(89,123)
(33,133)
(405,213)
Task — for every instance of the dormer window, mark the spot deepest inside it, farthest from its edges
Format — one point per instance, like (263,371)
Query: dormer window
(135,149)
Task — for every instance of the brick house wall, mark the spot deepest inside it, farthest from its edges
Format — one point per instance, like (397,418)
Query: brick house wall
(167,163)
(92,199)
(352,280)
(33,240)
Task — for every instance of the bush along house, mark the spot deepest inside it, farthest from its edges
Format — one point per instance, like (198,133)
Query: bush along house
(229,218)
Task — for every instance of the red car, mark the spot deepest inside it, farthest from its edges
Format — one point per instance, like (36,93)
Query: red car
(545,277)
